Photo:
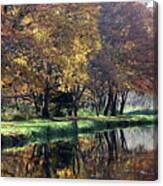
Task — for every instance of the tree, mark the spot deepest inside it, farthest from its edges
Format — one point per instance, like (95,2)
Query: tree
(45,48)
(126,60)
(92,52)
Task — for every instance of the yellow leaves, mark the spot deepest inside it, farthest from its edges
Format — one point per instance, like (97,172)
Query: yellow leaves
(62,88)
(27,19)
(130,73)
(129,45)
(80,58)
(38,89)
(149,29)
(24,88)
(35,30)
(77,43)
(87,93)
(98,45)
(50,52)
(132,62)
(86,45)
(73,75)
(55,37)
(6,82)
(126,84)
(114,89)
(80,46)
(41,34)
(21,61)
(125,31)
(2,83)
(65,173)
(74,68)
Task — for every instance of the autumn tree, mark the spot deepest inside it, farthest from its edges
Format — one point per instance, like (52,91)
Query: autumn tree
(127,55)
(97,52)
(45,49)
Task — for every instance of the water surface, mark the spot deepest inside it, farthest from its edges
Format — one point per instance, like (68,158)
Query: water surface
(120,153)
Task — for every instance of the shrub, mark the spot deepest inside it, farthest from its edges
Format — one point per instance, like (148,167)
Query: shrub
(19,117)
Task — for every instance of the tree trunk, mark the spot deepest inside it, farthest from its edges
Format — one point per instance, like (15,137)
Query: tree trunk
(37,108)
(16,104)
(122,107)
(45,110)
(106,110)
(97,110)
(69,112)
(100,104)
(123,101)
(75,126)
(75,111)
(114,103)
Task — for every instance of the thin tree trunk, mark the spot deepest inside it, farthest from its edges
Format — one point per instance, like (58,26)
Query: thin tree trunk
(114,103)
(97,110)
(100,104)
(37,108)
(123,101)
(106,110)
(45,110)
(122,107)
(74,110)
(16,104)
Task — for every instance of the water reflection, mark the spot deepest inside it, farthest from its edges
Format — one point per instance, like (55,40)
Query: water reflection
(112,154)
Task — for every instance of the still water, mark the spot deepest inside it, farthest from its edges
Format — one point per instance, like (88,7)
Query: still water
(121,153)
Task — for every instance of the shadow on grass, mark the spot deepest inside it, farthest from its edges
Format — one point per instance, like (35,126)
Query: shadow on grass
(142,112)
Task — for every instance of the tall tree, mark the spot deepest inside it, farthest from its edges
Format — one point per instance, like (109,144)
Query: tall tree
(45,48)
(126,60)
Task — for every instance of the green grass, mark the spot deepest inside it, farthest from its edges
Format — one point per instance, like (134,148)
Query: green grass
(24,127)
(24,132)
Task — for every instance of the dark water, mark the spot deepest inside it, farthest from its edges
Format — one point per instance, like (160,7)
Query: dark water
(129,153)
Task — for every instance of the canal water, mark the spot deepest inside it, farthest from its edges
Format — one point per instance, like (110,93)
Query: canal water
(120,153)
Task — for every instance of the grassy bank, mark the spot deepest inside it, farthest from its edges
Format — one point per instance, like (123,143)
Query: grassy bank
(18,133)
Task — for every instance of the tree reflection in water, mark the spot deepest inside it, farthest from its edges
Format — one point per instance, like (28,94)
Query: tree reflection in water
(104,155)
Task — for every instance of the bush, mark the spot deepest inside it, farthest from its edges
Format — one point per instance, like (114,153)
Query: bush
(86,112)
(24,113)
(19,117)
